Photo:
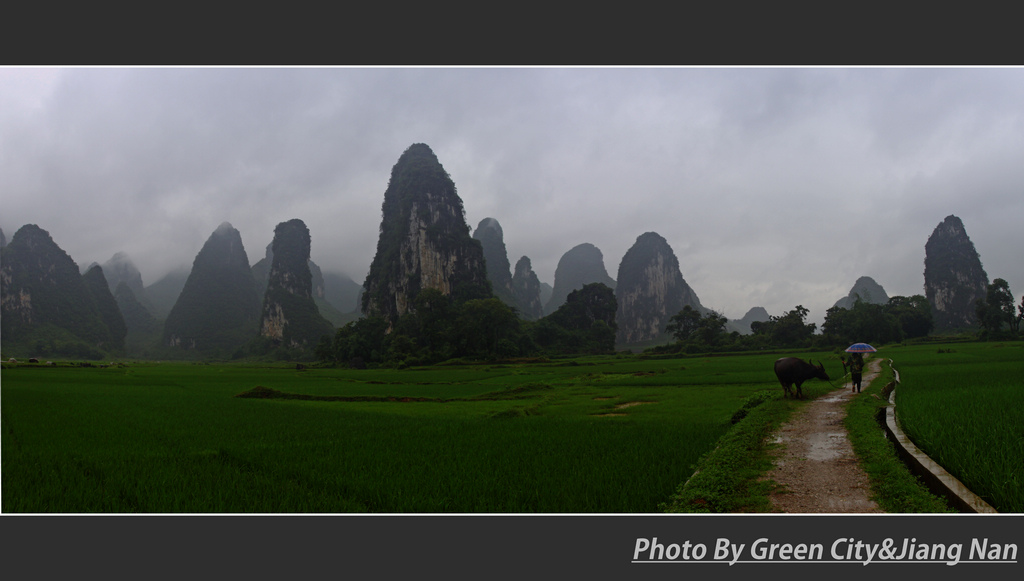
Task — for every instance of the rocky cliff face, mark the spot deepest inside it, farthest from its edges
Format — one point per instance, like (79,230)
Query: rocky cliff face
(581,265)
(424,240)
(953,276)
(865,289)
(261,273)
(218,309)
(290,316)
(40,288)
(650,290)
(526,289)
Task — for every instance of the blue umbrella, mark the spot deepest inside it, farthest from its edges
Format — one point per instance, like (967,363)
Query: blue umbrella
(860,348)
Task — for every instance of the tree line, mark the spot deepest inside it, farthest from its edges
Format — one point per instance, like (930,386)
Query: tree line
(899,319)
(441,327)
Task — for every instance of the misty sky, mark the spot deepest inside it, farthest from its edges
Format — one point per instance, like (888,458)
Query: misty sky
(774,186)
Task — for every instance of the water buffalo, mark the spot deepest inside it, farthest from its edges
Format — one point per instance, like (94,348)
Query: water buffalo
(794,371)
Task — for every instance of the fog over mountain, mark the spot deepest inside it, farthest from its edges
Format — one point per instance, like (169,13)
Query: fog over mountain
(773,186)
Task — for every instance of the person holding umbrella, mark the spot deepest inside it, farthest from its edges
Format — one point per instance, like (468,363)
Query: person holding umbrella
(857,363)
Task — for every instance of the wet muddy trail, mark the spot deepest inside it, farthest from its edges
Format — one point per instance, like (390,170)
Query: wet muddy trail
(815,465)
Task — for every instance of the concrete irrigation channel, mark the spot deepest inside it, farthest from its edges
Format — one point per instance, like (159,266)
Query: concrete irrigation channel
(938,480)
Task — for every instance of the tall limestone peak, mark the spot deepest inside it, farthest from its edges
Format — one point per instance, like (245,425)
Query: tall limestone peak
(41,287)
(650,290)
(218,309)
(261,272)
(953,276)
(583,264)
(424,240)
(99,289)
(526,289)
(492,239)
(290,316)
(865,289)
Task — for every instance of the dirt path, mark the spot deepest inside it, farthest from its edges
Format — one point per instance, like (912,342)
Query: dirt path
(816,467)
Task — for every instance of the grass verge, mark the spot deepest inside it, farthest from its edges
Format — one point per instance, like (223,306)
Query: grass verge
(728,479)
(894,487)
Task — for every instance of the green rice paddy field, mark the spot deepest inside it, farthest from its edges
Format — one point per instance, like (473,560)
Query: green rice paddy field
(593,435)
(963,405)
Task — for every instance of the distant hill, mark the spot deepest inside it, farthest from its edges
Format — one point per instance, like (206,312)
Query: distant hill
(48,307)
(96,284)
(865,289)
(526,289)
(218,310)
(342,292)
(581,265)
(164,292)
(492,240)
(143,329)
(546,290)
(120,268)
(742,326)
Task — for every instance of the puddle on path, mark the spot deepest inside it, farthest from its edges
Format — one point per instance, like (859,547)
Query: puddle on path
(825,446)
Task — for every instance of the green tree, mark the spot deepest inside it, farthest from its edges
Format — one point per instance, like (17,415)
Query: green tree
(585,323)
(1020,316)
(913,313)
(684,324)
(996,309)
(711,328)
(789,330)
(484,324)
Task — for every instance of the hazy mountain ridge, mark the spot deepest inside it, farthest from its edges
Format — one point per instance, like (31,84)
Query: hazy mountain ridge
(742,325)
(580,265)
(865,289)
(425,243)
